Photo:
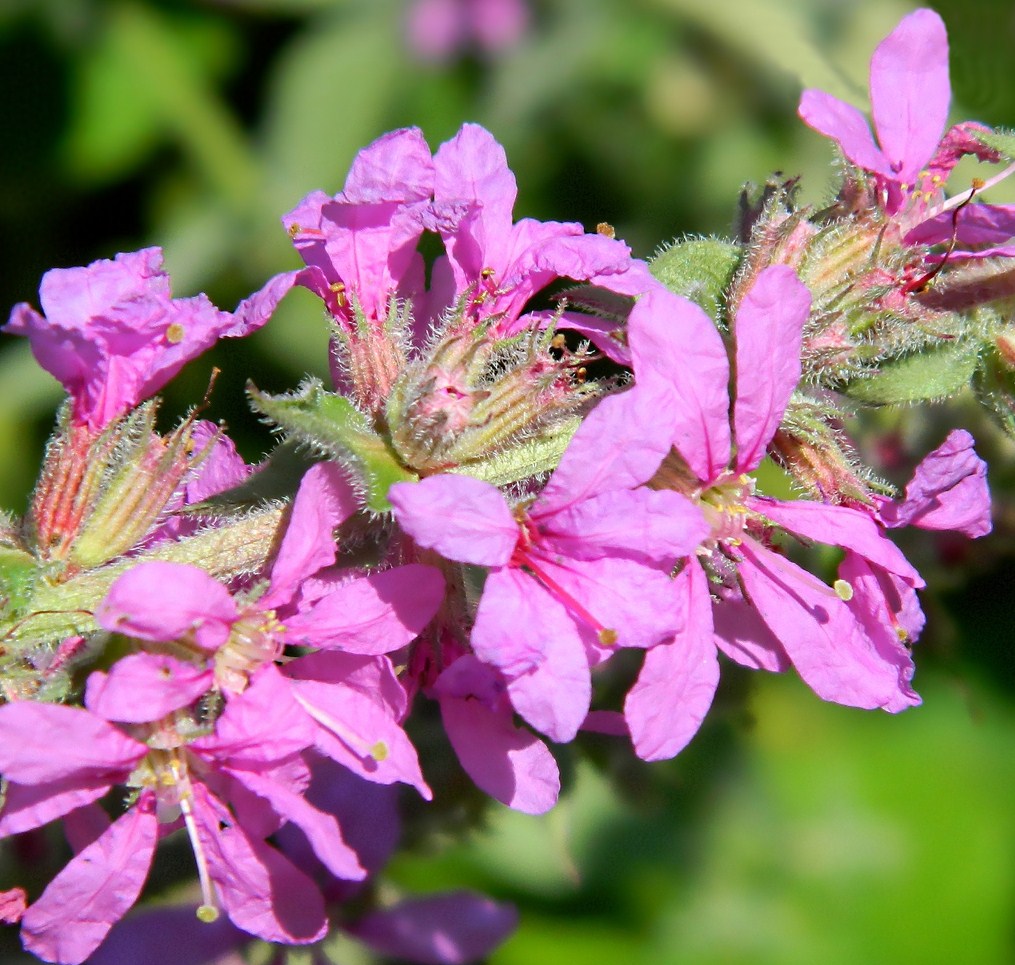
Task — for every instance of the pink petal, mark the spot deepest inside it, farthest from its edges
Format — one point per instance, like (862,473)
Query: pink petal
(96,889)
(255,310)
(555,696)
(910,92)
(877,605)
(646,524)
(162,602)
(619,445)
(395,167)
(676,345)
(262,725)
(516,619)
(358,732)
(511,764)
(143,687)
(820,634)
(461,518)
(12,905)
(743,636)
(768,332)
(373,614)
(843,526)
(947,491)
(448,929)
(972,224)
(674,690)
(324,501)
(261,891)
(847,126)
(43,743)
(373,677)
(321,830)
(28,806)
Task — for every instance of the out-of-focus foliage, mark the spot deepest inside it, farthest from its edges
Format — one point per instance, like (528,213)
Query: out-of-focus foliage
(816,834)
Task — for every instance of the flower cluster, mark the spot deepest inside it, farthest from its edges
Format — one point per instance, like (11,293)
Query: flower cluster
(481,526)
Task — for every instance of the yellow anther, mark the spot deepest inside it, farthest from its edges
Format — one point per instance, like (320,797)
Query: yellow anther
(978,184)
(936,180)
(175,333)
(294,230)
(207,913)
(843,590)
(379,752)
(606,230)
(608,637)
(486,274)
(902,634)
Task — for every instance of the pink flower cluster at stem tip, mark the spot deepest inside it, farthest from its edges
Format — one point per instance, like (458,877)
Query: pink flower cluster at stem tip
(262,715)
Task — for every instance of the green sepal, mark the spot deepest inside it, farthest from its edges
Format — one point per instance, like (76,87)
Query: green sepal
(931,374)
(332,424)
(700,269)
(1002,141)
(18,574)
(995,388)
(530,457)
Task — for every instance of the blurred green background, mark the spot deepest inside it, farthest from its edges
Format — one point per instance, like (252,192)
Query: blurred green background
(791,830)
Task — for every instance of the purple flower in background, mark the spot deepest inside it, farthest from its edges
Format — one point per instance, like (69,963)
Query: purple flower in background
(113,335)
(439,29)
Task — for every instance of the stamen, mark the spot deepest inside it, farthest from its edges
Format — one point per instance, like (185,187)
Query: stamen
(175,333)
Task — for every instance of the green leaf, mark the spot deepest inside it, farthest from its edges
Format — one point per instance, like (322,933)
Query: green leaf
(331,423)
(932,374)
(995,388)
(699,269)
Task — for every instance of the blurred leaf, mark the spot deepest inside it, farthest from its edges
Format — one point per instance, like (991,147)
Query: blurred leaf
(329,96)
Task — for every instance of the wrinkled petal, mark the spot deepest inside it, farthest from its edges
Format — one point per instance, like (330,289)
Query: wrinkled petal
(847,126)
(321,829)
(449,929)
(28,806)
(260,726)
(947,491)
(144,687)
(162,602)
(619,445)
(555,696)
(743,636)
(674,690)
(461,518)
(768,331)
(877,606)
(324,500)
(96,889)
(674,343)
(42,743)
(910,92)
(515,621)
(373,614)
(360,733)
(818,631)
(658,525)
(262,892)
(507,762)
(972,224)
(843,526)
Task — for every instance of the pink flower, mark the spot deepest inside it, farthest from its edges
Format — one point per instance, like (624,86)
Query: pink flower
(494,263)
(347,692)
(583,568)
(910,93)
(59,760)
(438,29)
(360,246)
(112,335)
(768,612)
